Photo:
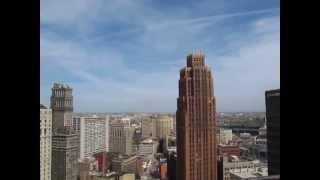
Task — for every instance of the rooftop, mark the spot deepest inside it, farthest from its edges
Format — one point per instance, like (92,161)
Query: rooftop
(250,172)
(147,141)
(60,85)
(43,106)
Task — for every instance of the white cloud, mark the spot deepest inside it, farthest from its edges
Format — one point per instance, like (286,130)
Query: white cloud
(244,72)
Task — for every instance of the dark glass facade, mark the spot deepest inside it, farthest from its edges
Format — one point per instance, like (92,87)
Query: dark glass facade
(273,130)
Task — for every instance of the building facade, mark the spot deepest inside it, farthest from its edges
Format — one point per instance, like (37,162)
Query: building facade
(125,164)
(87,165)
(273,131)
(121,138)
(163,126)
(147,128)
(196,122)
(76,123)
(174,124)
(225,136)
(232,149)
(45,142)
(163,171)
(249,173)
(103,161)
(94,135)
(65,140)
(231,164)
(146,147)
(172,161)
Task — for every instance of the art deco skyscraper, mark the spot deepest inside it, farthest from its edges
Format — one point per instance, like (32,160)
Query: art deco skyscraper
(196,122)
(65,140)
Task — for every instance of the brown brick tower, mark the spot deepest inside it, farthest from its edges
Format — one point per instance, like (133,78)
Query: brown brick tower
(196,122)
(65,140)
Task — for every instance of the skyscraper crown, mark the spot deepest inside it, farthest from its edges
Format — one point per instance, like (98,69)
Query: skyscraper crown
(196,59)
(60,85)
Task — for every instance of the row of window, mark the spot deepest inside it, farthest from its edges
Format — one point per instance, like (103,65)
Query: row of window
(63,103)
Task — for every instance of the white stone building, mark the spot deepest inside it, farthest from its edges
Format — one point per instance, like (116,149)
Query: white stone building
(45,142)
(225,135)
(233,164)
(94,135)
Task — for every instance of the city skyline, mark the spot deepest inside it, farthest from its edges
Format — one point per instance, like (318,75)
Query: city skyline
(125,58)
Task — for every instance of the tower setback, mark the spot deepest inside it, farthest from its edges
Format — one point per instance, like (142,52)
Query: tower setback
(196,122)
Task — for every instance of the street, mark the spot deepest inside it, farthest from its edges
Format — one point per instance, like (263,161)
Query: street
(147,175)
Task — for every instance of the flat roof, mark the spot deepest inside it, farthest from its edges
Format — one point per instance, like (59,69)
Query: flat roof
(250,172)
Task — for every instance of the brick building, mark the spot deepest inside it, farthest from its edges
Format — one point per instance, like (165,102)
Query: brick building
(196,122)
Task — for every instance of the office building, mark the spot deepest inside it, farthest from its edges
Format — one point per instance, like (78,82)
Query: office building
(76,123)
(174,124)
(259,149)
(172,161)
(103,161)
(146,147)
(147,128)
(235,164)
(196,122)
(163,126)
(220,168)
(125,164)
(273,131)
(121,138)
(94,135)
(65,140)
(230,149)
(45,142)
(225,136)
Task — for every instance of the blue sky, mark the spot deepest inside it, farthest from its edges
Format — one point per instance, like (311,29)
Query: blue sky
(125,55)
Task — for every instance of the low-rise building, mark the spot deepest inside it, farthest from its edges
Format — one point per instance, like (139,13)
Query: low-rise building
(126,164)
(146,147)
(234,164)
(232,149)
(127,176)
(259,149)
(103,161)
(225,136)
(260,173)
(114,176)
(86,167)
(163,171)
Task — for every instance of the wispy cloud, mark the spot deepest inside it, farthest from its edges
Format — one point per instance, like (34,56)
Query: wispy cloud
(126,57)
